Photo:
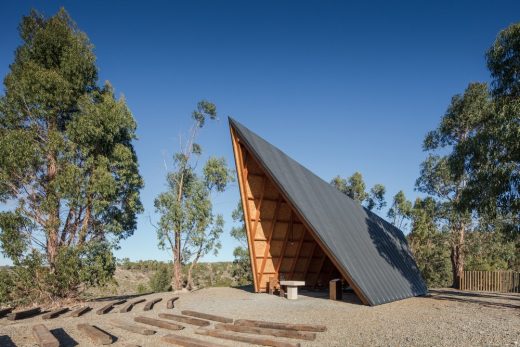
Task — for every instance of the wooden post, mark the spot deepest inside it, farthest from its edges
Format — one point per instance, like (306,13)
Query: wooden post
(133,328)
(130,305)
(335,289)
(272,284)
(183,319)
(55,313)
(24,314)
(43,336)
(158,323)
(95,334)
(109,306)
(171,303)
(78,312)
(283,326)
(149,304)
(291,334)
(262,341)
(207,316)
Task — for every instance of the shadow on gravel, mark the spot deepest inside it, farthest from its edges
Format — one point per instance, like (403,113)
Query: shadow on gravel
(65,339)
(117,297)
(348,296)
(248,288)
(471,299)
(5,341)
(505,296)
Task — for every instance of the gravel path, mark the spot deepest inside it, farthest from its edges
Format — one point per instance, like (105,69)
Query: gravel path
(445,318)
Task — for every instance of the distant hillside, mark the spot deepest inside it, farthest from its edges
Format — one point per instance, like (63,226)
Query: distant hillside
(134,277)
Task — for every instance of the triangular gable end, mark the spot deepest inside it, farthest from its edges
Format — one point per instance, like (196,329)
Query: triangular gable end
(280,244)
(299,227)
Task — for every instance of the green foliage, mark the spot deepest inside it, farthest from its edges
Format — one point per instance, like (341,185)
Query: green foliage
(494,148)
(14,238)
(428,244)
(7,286)
(142,288)
(161,280)
(141,265)
(187,225)
(355,188)
(400,211)
(490,251)
(376,197)
(242,273)
(66,162)
(445,176)
(473,173)
(503,63)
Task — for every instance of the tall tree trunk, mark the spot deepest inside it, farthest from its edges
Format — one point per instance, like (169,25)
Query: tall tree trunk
(190,279)
(177,269)
(192,265)
(53,221)
(457,257)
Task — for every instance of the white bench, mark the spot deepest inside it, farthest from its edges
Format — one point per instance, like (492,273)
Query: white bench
(292,288)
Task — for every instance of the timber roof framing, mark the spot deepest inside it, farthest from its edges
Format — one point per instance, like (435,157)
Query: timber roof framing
(296,221)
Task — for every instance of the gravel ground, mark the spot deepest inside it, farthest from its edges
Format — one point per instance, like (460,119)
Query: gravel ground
(445,318)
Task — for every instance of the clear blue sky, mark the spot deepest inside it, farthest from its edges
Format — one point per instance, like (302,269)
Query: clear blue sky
(340,87)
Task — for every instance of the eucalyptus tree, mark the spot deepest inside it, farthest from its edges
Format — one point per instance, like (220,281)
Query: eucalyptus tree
(355,188)
(67,164)
(242,270)
(444,174)
(428,243)
(187,225)
(400,211)
(494,168)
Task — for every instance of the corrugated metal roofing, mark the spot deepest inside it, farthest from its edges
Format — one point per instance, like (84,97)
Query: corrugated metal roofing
(372,251)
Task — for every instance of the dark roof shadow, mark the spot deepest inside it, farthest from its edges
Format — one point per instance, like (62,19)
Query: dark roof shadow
(5,341)
(391,244)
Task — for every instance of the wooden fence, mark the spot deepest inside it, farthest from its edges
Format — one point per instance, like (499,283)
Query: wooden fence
(491,281)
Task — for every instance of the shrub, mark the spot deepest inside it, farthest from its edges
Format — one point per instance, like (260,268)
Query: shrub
(161,280)
(6,287)
(142,288)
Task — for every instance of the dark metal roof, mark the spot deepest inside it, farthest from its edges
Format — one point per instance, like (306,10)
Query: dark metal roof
(372,251)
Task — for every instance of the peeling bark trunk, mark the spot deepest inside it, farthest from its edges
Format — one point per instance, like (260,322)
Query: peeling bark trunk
(457,257)
(177,270)
(84,225)
(192,265)
(53,222)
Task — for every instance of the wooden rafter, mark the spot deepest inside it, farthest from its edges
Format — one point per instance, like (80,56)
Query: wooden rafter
(301,218)
(331,271)
(320,267)
(297,257)
(284,245)
(309,261)
(271,232)
(257,214)
(242,173)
